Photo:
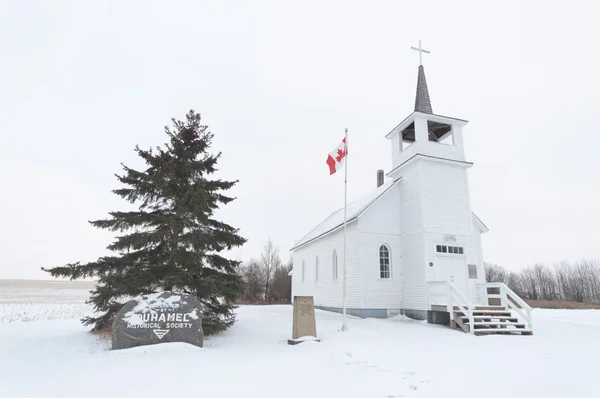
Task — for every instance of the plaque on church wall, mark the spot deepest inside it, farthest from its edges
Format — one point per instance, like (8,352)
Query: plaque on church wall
(304,326)
(449,238)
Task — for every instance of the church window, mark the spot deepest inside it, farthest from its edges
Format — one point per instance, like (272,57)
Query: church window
(440,133)
(303,269)
(384,262)
(449,249)
(317,269)
(334,265)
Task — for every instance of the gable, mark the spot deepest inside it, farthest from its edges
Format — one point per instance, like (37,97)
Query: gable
(336,219)
(480,225)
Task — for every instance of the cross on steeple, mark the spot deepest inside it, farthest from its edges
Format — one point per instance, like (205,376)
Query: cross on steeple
(421,51)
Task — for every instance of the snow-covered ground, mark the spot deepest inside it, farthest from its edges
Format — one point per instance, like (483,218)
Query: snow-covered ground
(395,357)
(25,300)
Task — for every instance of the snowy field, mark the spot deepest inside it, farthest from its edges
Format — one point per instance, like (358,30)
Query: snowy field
(46,352)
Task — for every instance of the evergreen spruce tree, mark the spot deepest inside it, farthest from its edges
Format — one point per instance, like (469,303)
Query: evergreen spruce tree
(173,241)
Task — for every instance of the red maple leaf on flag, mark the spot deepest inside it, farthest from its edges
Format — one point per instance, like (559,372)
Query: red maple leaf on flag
(336,156)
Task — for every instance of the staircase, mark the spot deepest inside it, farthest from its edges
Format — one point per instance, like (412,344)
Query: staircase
(504,313)
(487,320)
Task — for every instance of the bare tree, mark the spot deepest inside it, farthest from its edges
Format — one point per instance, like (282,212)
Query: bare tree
(515,282)
(253,277)
(495,273)
(281,288)
(579,281)
(269,262)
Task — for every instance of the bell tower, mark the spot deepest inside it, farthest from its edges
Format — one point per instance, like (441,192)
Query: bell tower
(423,133)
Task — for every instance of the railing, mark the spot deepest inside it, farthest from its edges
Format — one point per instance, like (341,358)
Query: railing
(508,299)
(451,297)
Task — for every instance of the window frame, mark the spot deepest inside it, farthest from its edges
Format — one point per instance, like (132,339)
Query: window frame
(334,266)
(389,262)
(449,250)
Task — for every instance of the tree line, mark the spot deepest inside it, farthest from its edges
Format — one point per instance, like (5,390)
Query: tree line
(265,279)
(579,281)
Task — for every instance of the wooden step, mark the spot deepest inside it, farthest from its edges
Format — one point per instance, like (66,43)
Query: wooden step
(526,332)
(498,325)
(491,308)
(485,313)
(483,308)
(489,318)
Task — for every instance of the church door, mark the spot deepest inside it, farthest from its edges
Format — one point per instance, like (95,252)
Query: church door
(452,267)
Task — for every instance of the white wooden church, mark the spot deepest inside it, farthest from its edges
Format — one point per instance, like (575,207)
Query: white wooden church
(413,243)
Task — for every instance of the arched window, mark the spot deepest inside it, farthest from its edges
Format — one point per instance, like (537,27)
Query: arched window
(384,262)
(317,269)
(334,265)
(303,271)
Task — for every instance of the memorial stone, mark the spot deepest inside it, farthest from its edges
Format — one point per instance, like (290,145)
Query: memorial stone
(304,327)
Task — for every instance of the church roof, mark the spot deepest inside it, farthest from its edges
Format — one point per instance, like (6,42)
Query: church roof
(422,101)
(482,227)
(336,219)
(354,210)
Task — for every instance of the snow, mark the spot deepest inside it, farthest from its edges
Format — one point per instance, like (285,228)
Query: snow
(353,210)
(150,303)
(32,301)
(395,357)
(305,338)
(193,314)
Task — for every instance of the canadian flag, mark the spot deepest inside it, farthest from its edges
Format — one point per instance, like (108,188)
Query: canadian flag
(336,158)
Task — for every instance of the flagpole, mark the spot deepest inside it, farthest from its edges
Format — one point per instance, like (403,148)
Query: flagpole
(344,325)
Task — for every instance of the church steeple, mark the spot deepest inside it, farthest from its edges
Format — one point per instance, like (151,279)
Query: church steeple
(422,101)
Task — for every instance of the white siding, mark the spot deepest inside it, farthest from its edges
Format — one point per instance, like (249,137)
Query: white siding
(383,216)
(446,198)
(380,225)
(413,273)
(478,253)
(447,212)
(399,157)
(412,238)
(328,292)
(477,248)
(378,292)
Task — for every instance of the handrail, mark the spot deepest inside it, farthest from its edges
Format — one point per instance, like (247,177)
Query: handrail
(509,291)
(451,295)
(470,307)
(505,293)
(460,296)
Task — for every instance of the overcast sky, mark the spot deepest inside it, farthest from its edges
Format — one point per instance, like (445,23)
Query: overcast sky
(81,83)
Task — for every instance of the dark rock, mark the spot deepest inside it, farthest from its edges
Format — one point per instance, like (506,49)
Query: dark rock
(158,318)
